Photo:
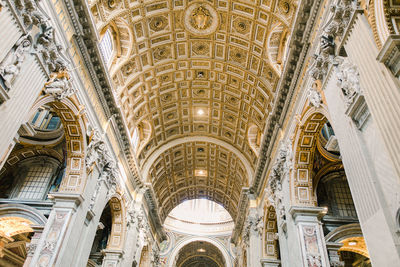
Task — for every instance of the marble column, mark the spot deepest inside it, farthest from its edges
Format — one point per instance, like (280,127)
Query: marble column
(255,228)
(380,87)
(311,239)
(32,246)
(370,173)
(112,257)
(54,243)
(333,253)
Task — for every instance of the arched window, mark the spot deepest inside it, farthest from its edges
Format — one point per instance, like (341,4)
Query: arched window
(34,178)
(106,47)
(333,192)
(45,120)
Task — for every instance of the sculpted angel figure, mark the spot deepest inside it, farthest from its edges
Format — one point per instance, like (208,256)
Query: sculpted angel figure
(60,86)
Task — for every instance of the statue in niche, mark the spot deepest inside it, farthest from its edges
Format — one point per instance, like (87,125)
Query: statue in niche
(11,65)
(60,86)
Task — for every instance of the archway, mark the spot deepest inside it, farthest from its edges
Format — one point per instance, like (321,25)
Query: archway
(181,244)
(200,253)
(110,232)
(68,109)
(271,246)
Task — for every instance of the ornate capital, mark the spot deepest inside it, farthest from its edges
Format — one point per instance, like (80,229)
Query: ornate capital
(348,79)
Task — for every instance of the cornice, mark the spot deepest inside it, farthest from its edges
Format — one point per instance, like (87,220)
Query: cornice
(299,44)
(86,38)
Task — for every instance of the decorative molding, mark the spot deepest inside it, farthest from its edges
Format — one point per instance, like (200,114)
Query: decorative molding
(242,211)
(299,44)
(390,54)
(98,153)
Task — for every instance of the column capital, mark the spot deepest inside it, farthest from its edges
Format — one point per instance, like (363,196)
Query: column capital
(270,263)
(110,251)
(390,54)
(307,214)
(66,200)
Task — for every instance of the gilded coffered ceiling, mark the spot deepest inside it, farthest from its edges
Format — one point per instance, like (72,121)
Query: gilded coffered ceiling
(196,68)
(198,170)
(200,253)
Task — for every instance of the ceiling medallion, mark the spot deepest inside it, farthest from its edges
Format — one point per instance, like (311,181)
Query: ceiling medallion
(201,19)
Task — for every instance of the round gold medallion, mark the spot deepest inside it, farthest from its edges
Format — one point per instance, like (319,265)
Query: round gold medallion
(201,19)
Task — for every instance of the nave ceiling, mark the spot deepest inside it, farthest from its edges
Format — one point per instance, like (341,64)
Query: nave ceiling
(187,69)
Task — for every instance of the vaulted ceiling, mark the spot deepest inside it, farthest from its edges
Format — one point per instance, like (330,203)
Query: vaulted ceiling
(200,253)
(197,80)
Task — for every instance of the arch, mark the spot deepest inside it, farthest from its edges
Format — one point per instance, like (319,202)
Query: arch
(147,165)
(305,145)
(118,214)
(22,211)
(188,240)
(69,110)
(344,232)
(271,230)
(381,22)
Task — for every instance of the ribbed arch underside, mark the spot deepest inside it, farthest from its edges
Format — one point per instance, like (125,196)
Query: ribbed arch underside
(196,68)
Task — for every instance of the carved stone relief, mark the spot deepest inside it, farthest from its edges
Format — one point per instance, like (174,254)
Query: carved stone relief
(281,168)
(348,79)
(11,65)
(60,86)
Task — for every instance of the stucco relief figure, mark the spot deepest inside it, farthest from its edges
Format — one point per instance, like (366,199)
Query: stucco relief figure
(314,97)
(282,166)
(348,79)
(95,148)
(11,65)
(31,13)
(60,86)
(155,257)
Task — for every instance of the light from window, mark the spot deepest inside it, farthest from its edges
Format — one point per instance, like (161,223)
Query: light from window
(106,47)
(35,183)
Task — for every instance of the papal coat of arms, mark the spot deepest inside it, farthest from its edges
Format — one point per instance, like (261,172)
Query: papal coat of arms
(201,18)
